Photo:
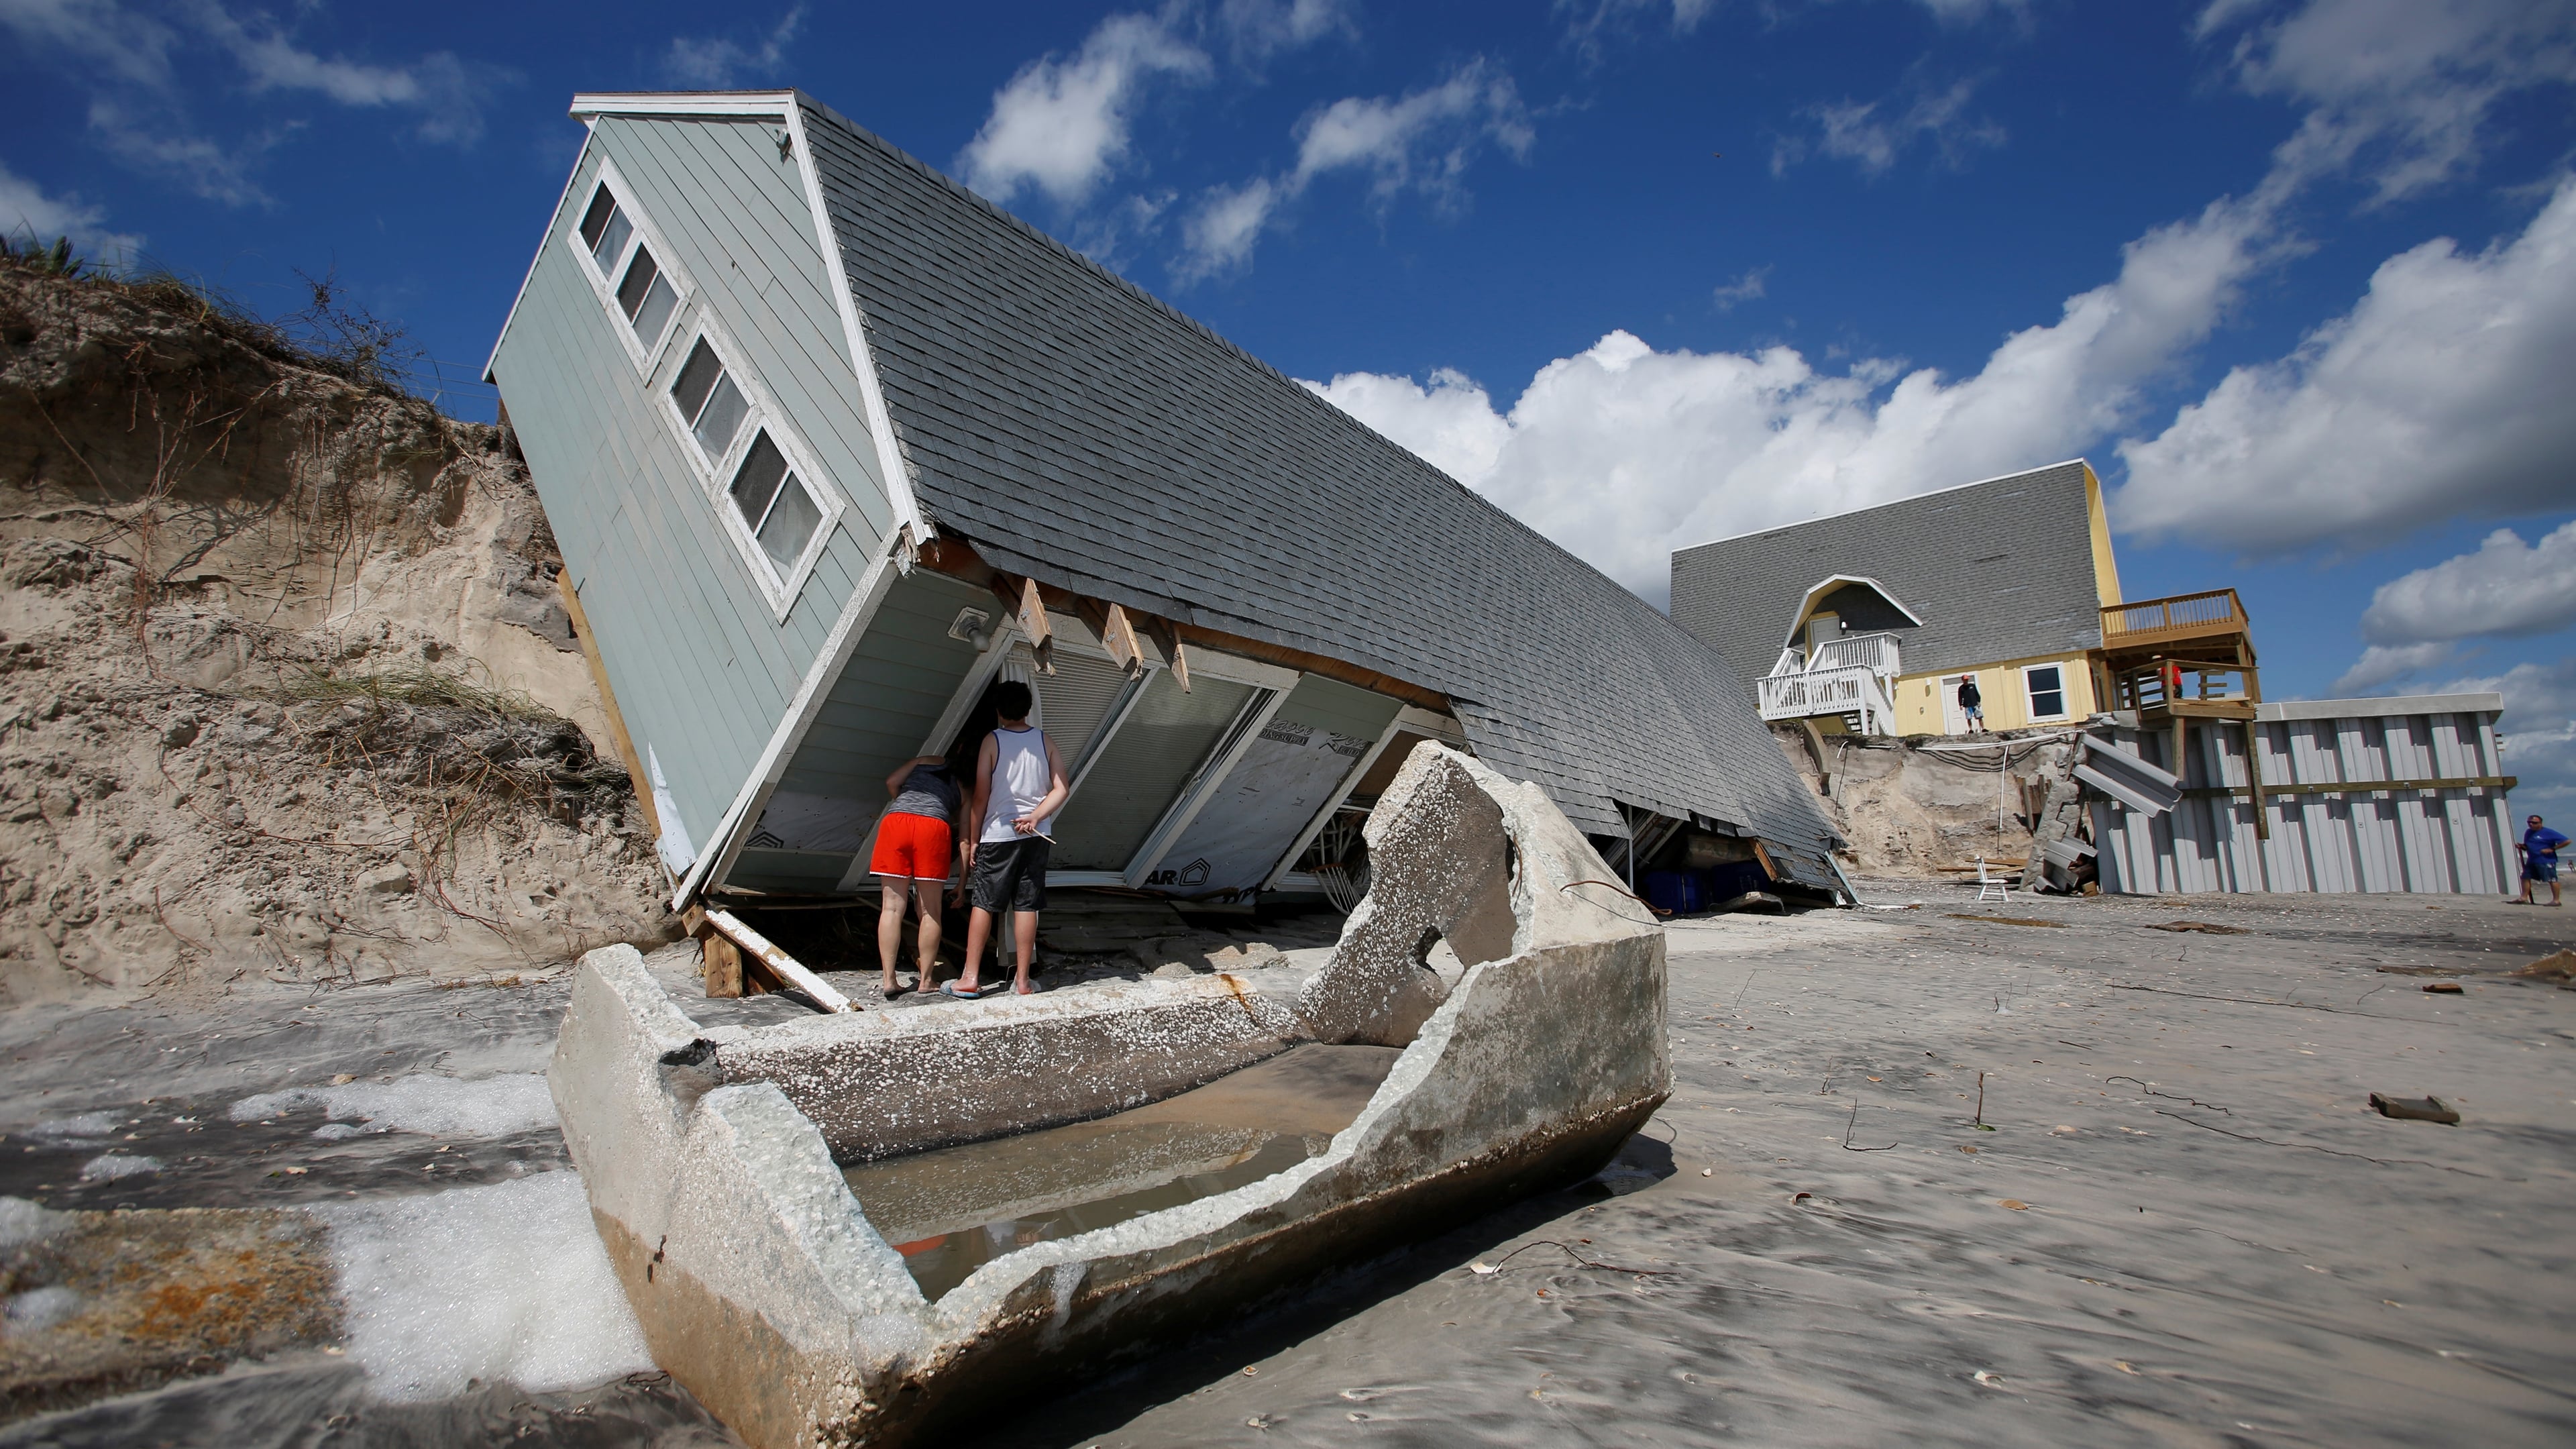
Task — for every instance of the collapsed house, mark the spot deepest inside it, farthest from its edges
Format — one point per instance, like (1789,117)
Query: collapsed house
(830,444)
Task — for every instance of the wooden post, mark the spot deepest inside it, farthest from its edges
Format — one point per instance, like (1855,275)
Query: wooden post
(2254,777)
(720,966)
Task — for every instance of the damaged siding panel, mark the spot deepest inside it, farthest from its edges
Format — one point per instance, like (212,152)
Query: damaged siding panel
(701,675)
(734,216)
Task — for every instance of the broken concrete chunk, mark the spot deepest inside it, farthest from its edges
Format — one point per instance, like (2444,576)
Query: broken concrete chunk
(772,1291)
(2413,1109)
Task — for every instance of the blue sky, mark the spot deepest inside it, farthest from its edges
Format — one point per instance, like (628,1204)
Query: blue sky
(2299,276)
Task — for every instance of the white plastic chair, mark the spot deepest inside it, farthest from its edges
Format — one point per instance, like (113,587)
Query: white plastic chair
(1990,886)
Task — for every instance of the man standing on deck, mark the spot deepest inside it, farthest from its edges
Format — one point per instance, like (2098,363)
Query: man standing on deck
(2539,861)
(1019,785)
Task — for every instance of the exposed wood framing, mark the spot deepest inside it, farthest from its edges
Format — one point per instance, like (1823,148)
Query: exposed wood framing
(1167,637)
(617,736)
(957,558)
(789,969)
(1117,634)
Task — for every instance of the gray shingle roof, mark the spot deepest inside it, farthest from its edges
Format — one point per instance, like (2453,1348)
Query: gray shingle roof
(1080,431)
(1997,570)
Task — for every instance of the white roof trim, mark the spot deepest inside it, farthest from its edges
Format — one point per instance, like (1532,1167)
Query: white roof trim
(1832,581)
(1891,503)
(908,516)
(2382,707)
(590,104)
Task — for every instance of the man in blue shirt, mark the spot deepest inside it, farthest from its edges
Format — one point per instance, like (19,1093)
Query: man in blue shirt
(2539,860)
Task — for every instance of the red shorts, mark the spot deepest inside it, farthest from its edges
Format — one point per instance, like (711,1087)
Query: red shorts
(912,846)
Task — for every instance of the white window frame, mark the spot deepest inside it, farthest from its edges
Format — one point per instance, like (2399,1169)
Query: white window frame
(715,476)
(2030,693)
(603,280)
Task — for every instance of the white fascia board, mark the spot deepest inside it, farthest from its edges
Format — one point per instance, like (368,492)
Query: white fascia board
(724,843)
(908,517)
(588,105)
(2381,708)
(1828,583)
(528,277)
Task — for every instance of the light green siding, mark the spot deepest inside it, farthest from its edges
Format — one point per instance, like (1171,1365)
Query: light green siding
(703,666)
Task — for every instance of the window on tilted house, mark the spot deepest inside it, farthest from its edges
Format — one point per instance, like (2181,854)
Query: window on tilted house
(2047,685)
(710,403)
(775,504)
(641,288)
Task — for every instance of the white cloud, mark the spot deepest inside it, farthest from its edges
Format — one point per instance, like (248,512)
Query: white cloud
(2381,663)
(1061,125)
(2539,727)
(138,61)
(1623,453)
(2438,396)
(447,94)
(1873,134)
(2402,90)
(715,62)
(1422,141)
(27,212)
(2507,587)
(151,141)
(1255,30)
(1730,295)
(1218,236)
(129,46)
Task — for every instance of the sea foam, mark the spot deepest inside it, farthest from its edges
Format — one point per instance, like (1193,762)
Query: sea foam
(421,1102)
(504,1282)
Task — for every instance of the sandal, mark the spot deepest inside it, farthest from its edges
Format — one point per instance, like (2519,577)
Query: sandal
(950,991)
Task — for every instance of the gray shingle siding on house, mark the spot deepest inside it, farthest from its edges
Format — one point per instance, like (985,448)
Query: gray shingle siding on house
(1997,570)
(1080,431)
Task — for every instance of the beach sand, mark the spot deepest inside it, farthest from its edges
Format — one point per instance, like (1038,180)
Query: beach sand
(2185,1227)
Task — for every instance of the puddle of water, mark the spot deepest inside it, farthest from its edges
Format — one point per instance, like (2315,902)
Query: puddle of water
(953,1210)
(943,1261)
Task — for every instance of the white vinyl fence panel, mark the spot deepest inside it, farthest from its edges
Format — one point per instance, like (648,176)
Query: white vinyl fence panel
(2445,839)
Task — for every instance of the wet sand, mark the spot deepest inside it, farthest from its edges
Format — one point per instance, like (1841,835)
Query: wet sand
(2185,1228)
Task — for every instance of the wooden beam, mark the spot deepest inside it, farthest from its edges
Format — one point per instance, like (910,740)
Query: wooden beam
(617,736)
(732,928)
(1167,637)
(2254,777)
(957,558)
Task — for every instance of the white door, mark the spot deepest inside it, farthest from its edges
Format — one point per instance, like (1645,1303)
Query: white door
(1954,720)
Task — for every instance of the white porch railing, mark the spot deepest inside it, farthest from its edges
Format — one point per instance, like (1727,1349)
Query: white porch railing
(1855,675)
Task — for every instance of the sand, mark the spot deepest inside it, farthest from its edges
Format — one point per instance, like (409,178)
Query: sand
(285,688)
(2185,1228)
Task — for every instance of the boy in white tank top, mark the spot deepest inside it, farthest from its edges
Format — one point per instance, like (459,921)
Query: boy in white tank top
(1019,785)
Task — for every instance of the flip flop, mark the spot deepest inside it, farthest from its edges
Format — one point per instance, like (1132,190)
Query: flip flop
(889,993)
(949,990)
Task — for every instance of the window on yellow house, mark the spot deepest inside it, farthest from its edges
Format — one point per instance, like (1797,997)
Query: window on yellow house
(2047,686)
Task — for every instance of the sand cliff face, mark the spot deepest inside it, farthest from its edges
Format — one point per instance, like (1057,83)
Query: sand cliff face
(284,684)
